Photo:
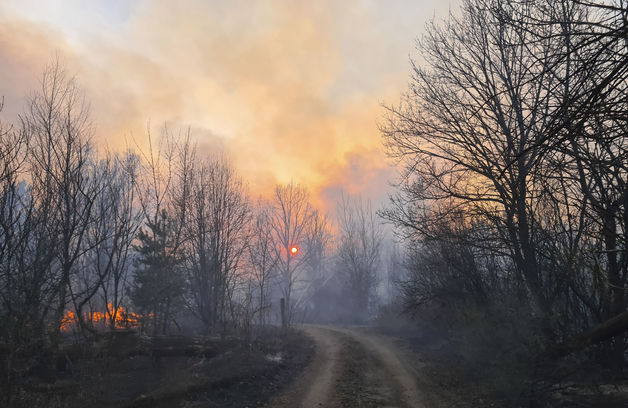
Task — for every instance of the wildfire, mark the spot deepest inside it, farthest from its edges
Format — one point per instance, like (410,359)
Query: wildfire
(123,318)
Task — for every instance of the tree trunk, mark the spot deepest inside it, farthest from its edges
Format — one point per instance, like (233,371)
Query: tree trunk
(284,319)
(615,326)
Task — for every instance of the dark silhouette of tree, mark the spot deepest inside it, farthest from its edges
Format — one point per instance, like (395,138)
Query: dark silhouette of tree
(290,218)
(512,138)
(217,232)
(158,281)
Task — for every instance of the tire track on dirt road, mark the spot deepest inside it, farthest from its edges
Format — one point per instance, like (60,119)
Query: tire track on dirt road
(351,368)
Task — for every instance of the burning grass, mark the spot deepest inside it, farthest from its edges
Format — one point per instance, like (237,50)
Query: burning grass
(112,317)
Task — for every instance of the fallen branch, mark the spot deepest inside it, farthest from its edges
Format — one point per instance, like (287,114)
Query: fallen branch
(610,328)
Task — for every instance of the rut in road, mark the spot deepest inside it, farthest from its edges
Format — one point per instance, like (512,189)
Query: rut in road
(351,368)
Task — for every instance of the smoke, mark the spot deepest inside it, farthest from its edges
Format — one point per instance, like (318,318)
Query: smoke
(291,90)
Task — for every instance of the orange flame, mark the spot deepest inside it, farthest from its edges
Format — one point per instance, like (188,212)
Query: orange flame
(123,319)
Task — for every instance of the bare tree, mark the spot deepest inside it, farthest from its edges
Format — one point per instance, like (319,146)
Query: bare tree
(468,128)
(591,143)
(318,272)
(359,247)
(395,274)
(290,218)
(65,183)
(512,137)
(217,236)
(28,283)
(123,230)
(262,259)
(158,164)
(117,222)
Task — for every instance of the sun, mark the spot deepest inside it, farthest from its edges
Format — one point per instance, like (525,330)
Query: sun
(294,250)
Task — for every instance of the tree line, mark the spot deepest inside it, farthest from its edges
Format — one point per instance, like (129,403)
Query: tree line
(514,195)
(94,240)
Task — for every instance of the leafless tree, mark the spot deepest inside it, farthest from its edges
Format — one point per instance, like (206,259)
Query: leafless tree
(512,137)
(65,182)
(217,236)
(584,145)
(359,247)
(318,271)
(395,273)
(468,128)
(591,130)
(117,220)
(290,218)
(28,284)
(124,226)
(158,162)
(262,258)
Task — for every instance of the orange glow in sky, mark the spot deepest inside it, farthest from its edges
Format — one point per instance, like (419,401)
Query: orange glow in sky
(289,90)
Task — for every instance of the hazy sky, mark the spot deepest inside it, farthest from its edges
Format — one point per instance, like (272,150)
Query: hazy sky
(289,89)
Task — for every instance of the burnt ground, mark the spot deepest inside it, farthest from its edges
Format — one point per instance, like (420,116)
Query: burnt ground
(212,373)
(444,378)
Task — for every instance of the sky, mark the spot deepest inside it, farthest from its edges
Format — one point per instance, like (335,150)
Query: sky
(287,89)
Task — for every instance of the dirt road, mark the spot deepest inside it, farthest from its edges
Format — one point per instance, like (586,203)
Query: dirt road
(352,368)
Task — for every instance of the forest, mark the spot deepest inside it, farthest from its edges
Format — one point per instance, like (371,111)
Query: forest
(158,242)
(513,199)
(508,267)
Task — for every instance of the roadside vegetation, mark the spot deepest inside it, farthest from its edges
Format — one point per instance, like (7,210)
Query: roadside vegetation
(160,240)
(152,277)
(513,200)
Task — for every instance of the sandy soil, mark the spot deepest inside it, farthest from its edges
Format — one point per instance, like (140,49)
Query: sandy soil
(352,367)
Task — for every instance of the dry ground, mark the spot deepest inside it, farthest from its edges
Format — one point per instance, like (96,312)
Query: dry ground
(227,373)
(353,367)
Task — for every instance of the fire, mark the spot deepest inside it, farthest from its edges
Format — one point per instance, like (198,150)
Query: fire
(123,318)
